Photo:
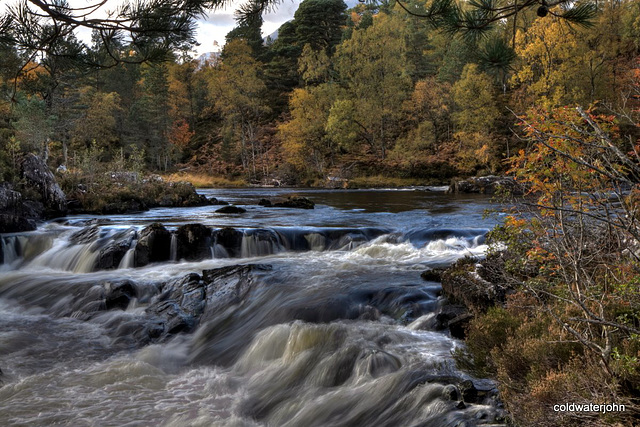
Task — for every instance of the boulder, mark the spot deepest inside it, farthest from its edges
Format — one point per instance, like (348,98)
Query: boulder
(230,239)
(231,209)
(486,185)
(295,203)
(194,242)
(154,245)
(265,202)
(119,295)
(191,300)
(15,215)
(41,180)
(111,255)
(477,285)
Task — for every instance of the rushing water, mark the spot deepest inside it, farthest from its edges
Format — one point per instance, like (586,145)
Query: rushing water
(330,334)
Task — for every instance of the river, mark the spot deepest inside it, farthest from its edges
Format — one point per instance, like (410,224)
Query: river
(330,330)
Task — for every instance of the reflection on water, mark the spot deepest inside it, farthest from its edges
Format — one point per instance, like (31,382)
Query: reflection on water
(329,335)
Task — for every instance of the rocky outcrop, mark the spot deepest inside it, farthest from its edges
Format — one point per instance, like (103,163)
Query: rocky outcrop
(42,182)
(295,203)
(471,287)
(194,242)
(486,185)
(478,285)
(154,245)
(38,197)
(231,209)
(186,302)
(15,215)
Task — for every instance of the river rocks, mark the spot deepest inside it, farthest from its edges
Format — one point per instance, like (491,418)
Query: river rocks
(296,203)
(230,239)
(14,214)
(432,275)
(39,197)
(111,255)
(228,286)
(38,177)
(186,302)
(154,245)
(265,202)
(194,242)
(231,209)
(486,185)
(218,202)
(465,282)
(85,235)
(119,295)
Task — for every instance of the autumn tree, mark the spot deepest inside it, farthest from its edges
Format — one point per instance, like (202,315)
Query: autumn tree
(97,126)
(305,139)
(377,80)
(474,118)
(236,90)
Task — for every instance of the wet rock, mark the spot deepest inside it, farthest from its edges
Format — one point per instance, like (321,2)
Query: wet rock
(38,177)
(194,242)
(486,185)
(154,245)
(468,391)
(188,292)
(111,255)
(86,235)
(230,239)
(231,209)
(432,275)
(458,325)
(119,295)
(265,202)
(14,224)
(15,216)
(218,202)
(295,203)
(174,319)
(450,392)
(228,286)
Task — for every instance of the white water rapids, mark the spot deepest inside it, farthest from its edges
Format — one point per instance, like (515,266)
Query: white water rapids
(323,338)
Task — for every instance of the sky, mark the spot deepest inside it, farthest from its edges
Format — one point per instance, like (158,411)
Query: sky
(212,28)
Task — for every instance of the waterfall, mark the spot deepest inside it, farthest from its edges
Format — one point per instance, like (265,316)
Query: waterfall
(259,242)
(317,242)
(10,249)
(173,249)
(129,259)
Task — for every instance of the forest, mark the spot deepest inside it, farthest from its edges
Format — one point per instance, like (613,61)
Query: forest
(370,93)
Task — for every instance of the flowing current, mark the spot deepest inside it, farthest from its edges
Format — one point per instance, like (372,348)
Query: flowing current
(292,318)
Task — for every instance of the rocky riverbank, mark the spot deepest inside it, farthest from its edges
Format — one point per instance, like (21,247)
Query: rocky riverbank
(39,194)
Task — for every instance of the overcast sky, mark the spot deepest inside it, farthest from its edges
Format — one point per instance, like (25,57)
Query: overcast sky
(213,27)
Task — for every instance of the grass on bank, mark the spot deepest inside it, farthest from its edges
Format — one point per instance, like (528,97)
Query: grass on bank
(200,180)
